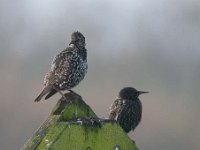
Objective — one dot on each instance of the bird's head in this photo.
(78, 39)
(130, 93)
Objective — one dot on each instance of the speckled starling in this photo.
(67, 69)
(127, 109)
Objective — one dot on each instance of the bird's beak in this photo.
(142, 92)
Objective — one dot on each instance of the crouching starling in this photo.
(127, 109)
(67, 69)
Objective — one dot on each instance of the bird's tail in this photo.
(44, 91)
(51, 93)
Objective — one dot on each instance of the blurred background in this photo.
(150, 45)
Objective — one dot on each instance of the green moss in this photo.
(79, 137)
(75, 111)
(34, 141)
(76, 108)
(59, 132)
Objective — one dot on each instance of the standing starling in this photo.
(67, 69)
(127, 109)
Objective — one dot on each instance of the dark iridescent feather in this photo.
(127, 109)
(130, 115)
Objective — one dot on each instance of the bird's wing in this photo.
(130, 115)
(55, 74)
(116, 108)
(59, 62)
(58, 59)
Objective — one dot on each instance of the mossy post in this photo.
(64, 130)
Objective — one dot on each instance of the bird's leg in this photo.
(62, 95)
(59, 91)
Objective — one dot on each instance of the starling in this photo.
(127, 109)
(67, 69)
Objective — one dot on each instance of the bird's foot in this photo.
(65, 99)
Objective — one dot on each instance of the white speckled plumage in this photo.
(68, 68)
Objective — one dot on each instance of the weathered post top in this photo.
(69, 127)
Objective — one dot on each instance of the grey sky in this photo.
(150, 45)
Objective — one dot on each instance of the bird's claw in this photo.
(64, 99)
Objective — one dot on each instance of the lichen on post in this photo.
(67, 129)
